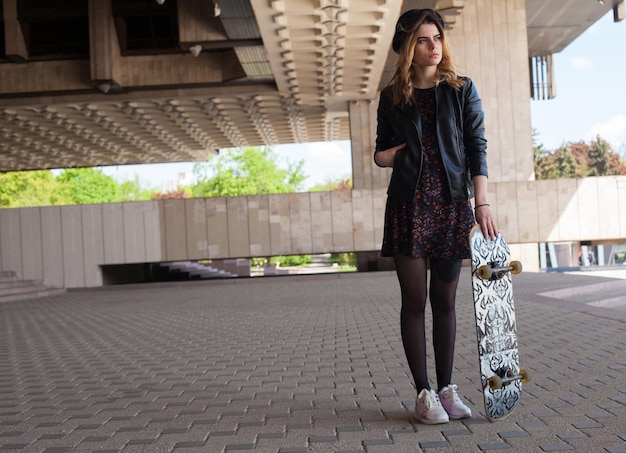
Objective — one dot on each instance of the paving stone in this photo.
(494, 446)
(557, 447)
(141, 441)
(271, 436)
(189, 445)
(374, 442)
(570, 436)
(439, 444)
(455, 432)
(588, 425)
(239, 447)
(166, 368)
(513, 434)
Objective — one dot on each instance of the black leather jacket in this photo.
(460, 135)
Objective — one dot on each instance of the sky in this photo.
(590, 91)
(590, 100)
(323, 161)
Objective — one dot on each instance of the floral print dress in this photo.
(430, 226)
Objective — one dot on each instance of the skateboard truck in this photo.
(497, 382)
(493, 271)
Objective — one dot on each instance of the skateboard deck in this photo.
(498, 354)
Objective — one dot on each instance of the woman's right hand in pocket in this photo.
(387, 157)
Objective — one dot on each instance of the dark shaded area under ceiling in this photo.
(60, 30)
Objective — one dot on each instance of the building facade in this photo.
(249, 73)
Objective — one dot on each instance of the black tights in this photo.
(444, 278)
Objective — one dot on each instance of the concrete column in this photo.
(197, 24)
(104, 48)
(15, 46)
(366, 174)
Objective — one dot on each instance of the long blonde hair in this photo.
(402, 81)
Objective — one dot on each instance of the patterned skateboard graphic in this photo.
(495, 325)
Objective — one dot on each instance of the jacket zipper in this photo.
(458, 149)
(419, 173)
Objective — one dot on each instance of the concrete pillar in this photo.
(104, 48)
(366, 174)
(15, 46)
(197, 24)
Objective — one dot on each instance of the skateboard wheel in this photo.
(525, 376)
(485, 272)
(495, 382)
(517, 267)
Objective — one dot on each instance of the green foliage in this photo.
(601, 162)
(258, 261)
(132, 190)
(343, 259)
(539, 151)
(30, 188)
(88, 185)
(247, 171)
(290, 260)
(578, 160)
(23, 189)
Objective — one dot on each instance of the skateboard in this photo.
(498, 355)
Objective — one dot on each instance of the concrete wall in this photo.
(489, 45)
(65, 246)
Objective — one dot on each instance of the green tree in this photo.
(567, 165)
(603, 160)
(343, 259)
(88, 185)
(290, 260)
(578, 160)
(132, 190)
(247, 171)
(22, 189)
(538, 149)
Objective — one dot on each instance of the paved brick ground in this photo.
(292, 364)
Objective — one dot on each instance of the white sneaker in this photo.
(428, 408)
(452, 404)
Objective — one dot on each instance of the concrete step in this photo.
(12, 289)
(29, 292)
(321, 260)
(197, 270)
(19, 285)
(7, 276)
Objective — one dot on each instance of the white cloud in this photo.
(613, 131)
(582, 63)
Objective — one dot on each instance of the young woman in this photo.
(431, 131)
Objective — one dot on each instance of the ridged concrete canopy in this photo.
(110, 82)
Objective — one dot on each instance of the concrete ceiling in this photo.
(119, 83)
(554, 24)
